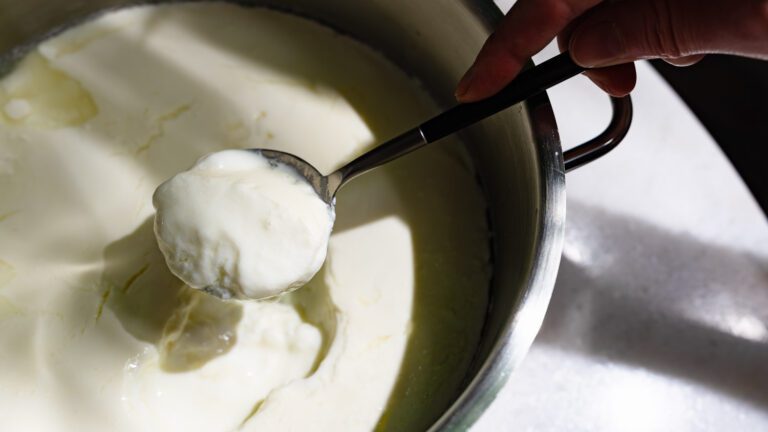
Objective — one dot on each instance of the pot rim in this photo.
(527, 315)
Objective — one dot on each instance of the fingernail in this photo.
(597, 45)
(464, 84)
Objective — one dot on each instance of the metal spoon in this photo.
(526, 85)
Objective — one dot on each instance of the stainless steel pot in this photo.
(516, 152)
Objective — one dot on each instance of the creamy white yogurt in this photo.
(240, 226)
(97, 334)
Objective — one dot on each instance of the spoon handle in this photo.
(528, 83)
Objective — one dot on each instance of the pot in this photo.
(517, 153)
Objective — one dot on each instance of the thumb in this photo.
(625, 31)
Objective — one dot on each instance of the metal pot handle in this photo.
(608, 140)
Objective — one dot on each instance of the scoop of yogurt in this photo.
(240, 226)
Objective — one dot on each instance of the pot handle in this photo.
(608, 140)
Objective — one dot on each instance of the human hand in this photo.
(610, 35)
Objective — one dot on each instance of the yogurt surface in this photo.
(97, 334)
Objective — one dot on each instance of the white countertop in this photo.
(659, 319)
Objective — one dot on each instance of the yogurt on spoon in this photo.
(237, 225)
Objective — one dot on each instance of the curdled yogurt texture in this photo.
(98, 335)
(239, 226)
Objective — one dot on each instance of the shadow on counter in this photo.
(632, 293)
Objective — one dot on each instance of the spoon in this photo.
(527, 84)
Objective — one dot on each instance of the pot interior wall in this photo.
(435, 41)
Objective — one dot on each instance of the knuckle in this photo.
(560, 11)
(665, 31)
(761, 7)
(752, 30)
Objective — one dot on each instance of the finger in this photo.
(528, 27)
(624, 31)
(618, 80)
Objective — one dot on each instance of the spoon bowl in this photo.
(325, 187)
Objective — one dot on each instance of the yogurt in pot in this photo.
(97, 333)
